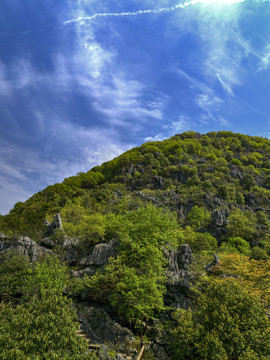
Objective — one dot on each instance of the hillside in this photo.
(133, 249)
(219, 172)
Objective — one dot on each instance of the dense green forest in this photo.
(166, 207)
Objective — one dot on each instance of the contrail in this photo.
(152, 11)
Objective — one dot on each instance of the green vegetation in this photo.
(43, 325)
(227, 323)
(209, 191)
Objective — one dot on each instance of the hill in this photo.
(220, 172)
(130, 245)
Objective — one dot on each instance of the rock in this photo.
(2, 236)
(24, 246)
(101, 253)
(159, 352)
(179, 262)
(158, 182)
(185, 257)
(56, 224)
(100, 328)
(103, 353)
(89, 271)
(47, 243)
(71, 247)
(216, 262)
(180, 278)
(235, 172)
(220, 217)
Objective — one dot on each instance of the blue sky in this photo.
(81, 81)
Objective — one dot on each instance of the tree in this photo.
(198, 217)
(15, 270)
(41, 329)
(242, 224)
(228, 323)
(45, 326)
(134, 281)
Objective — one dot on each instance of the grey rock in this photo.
(235, 172)
(179, 262)
(159, 352)
(185, 257)
(56, 224)
(70, 242)
(158, 182)
(71, 256)
(89, 271)
(101, 253)
(47, 242)
(180, 277)
(214, 263)
(100, 328)
(24, 246)
(220, 217)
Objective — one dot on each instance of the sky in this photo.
(82, 81)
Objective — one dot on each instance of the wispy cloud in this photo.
(265, 59)
(194, 82)
(23, 172)
(208, 104)
(182, 5)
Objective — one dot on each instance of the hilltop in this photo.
(220, 172)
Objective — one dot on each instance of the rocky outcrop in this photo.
(220, 217)
(100, 328)
(180, 277)
(51, 227)
(235, 172)
(24, 246)
(98, 258)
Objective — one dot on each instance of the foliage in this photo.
(15, 270)
(199, 241)
(251, 274)
(242, 224)
(227, 323)
(41, 329)
(235, 245)
(134, 281)
(198, 217)
(43, 325)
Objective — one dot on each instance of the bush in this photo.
(258, 253)
(227, 323)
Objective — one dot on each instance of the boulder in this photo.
(100, 328)
(101, 254)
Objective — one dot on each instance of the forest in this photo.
(131, 243)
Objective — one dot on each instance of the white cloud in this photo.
(225, 84)
(23, 172)
(157, 10)
(265, 59)
(157, 137)
(209, 104)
